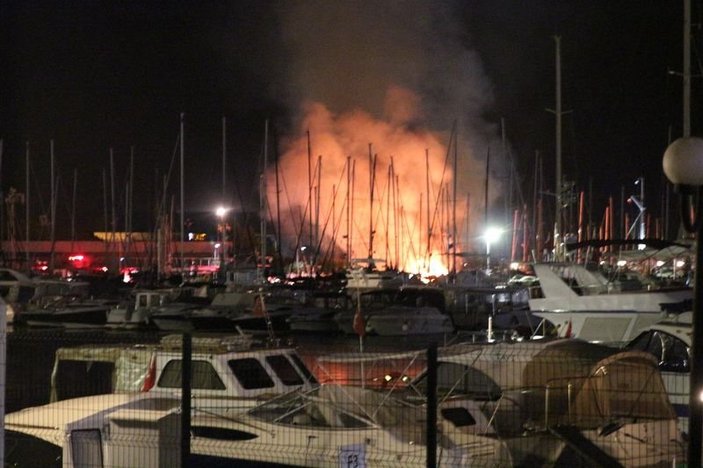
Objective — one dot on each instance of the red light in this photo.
(79, 261)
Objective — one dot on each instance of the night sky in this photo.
(96, 75)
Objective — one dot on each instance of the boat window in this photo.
(76, 378)
(250, 373)
(221, 433)
(460, 417)
(644, 343)
(86, 447)
(204, 376)
(351, 422)
(671, 353)
(303, 368)
(308, 415)
(143, 301)
(675, 357)
(284, 370)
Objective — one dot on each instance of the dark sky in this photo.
(99, 74)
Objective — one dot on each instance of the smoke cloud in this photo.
(390, 79)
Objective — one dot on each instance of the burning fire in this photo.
(356, 187)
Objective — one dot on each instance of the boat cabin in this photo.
(224, 368)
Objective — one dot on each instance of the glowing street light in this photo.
(491, 236)
(221, 211)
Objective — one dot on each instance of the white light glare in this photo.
(492, 234)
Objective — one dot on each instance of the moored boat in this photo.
(580, 303)
(560, 400)
(322, 427)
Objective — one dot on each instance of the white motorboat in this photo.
(398, 320)
(69, 312)
(361, 278)
(137, 311)
(16, 286)
(409, 310)
(325, 427)
(581, 303)
(608, 405)
(319, 312)
(16, 290)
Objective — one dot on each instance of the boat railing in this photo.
(241, 342)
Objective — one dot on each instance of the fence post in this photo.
(186, 358)
(432, 406)
(3, 376)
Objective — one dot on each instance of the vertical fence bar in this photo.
(3, 376)
(432, 406)
(186, 359)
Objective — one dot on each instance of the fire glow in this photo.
(360, 186)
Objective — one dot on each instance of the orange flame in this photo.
(328, 184)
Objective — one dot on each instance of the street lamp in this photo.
(683, 166)
(221, 211)
(491, 236)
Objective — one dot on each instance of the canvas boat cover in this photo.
(568, 381)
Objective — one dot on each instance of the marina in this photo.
(315, 234)
(489, 384)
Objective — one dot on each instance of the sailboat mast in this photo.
(485, 189)
(279, 252)
(388, 213)
(113, 218)
(372, 171)
(26, 203)
(130, 200)
(52, 206)
(224, 192)
(224, 158)
(349, 202)
(73, 207)
(310, 242)
(183, 221)
(429, 196)
(105, 238)
(454, 189)
(318, 242)
(558, 183)
(262, 200)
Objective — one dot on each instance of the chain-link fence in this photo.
(101, 399)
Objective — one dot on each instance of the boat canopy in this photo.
(562, 381)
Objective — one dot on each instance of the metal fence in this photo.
(125, 399)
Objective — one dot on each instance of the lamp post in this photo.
(221, 211)
(491, 236)
(683, 166)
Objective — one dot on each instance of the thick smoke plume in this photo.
(390, 79)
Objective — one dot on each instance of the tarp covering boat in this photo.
(568, 381)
